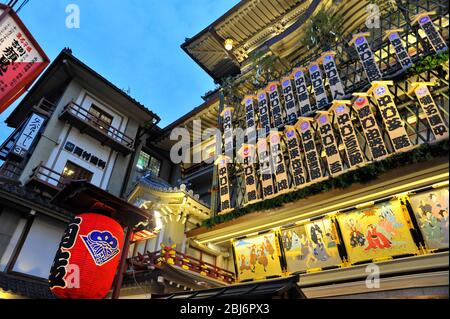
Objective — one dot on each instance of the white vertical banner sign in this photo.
(227, 118)
(263, 110)
(28, 134)
(250, 119)
(298, 170)
(325, 128)
(400, 51)
(393, 123)
(304, 103)
(429, 107)
(265, 169)
(372, 132)
(222, 163)
(290, 105)
(348, 134)
(247, 152)
(275, 104)
(331, 71)
(427, 25)
(312, 156)
(319, 88)
(278, 164)
(366, 56)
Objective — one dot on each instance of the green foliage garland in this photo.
(429, 63)
(362, 175)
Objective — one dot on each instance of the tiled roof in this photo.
(25, 287)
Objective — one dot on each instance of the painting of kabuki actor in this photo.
(258, 257)
(376, 232)
(311, 245)
(431, 211)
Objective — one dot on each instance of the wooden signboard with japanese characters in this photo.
(434, 37)
(227, 118)
(247, 153)
(28, 135)
(222, 163)
(301, 88)
(275, 105)
(298, 170)
(319, 88)
(393, 123)
(435, 120)
(21, 57)
(331, 71)
(372, 132)
(263, 110)
(400, 51)
(265, 169)
(325, 128)
(366, 56)
(278, 164)
(250, 119)
(290, 104)
(306, 132)
(344, 121)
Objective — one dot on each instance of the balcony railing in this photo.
(44, 178)
(175, 258)
(87, 122)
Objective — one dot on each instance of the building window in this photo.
(150, 163)
(73, 171)
(100, 119)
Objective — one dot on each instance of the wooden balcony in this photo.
(88, 123)
(174, 258)
(47, 180)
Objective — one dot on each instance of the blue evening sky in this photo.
(133, 43)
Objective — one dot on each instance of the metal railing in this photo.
(106, 128)
(10, 170)
(48, 177)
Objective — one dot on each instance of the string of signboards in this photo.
(265, 112)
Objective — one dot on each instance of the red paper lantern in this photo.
(86, 261)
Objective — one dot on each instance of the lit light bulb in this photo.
(229, 44)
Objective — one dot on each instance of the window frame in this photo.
(150, 158)
(65, 178)
(101, 113)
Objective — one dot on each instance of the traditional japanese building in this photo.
(342, 176)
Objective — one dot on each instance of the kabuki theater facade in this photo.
(328, 177)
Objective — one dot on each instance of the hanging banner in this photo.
(335, 166)
(33, 126)
(258, 257)
(429, 107)
(290, 105)
(366, 56)
(312, 245)
(298, 171)
(319, 88)
(400, 51)
(434, 37)
(392, 121)
(224, 185)
(227, 116)
(278, 164)
(250, 121)
(21, 57)
(306, 132)
(301, 88)
(275, 105)
(377, 232)
(265, 169)
(247, 152)
(331, 71)
(263, 109)
(344, 120)
(372, 132)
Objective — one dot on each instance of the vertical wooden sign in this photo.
(247, 152)
(222, 163)
(290, 105)
(227, 116)
(400, 51)
(250, 119)
(278, 164)
(265, 169)
(429, 107)
(331, 71)
(299, 174)
(372, 132)
(263, 109)
(319, 88)
(427, 25)
(393, 123)
(275, 104)
(366, 56)
(301, 88)
(348, 134)
(334, 162)
(306, 133)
